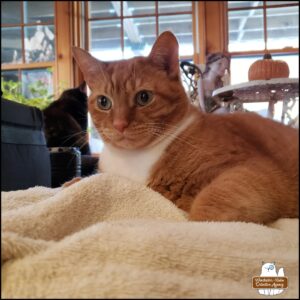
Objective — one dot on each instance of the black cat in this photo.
(65, 120)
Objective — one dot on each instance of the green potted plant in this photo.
(12, 91)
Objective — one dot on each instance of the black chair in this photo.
(25, 158)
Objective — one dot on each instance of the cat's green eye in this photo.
(143, 97)
(104, 103)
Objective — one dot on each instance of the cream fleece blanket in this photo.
(107, 237)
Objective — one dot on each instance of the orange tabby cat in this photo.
(235, 167)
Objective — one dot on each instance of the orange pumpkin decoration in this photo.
(267, 68)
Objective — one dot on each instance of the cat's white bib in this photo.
(137, 164)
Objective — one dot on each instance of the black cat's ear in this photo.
(82, 87)
(93, 69)
(164, 53)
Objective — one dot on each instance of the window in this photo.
(256, 27)
(28, 44)
(123, 29)
(263, 25)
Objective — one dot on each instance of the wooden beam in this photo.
(214, 26)
(244, 20)
(199, 34)
(79, 28)
(129, 27)
(33, 65)
(63, 30)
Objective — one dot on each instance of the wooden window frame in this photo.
(81, 35)
(62, 66)
(32, 65)
(264, 7)
(156, 14)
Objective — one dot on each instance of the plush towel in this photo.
(108, 237)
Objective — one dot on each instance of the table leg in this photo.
(287, 115)
(271, 109)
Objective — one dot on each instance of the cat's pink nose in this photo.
(120, 125)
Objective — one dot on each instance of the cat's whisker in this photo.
(83, 144)
(74, 135)
(77, 142)
(80, 147)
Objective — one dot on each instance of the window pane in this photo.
(174, 6)
(260, 108)
(181, 26)
(11, 46)
(132, 8)
(292, 61)
(105, 39)
(39, 43)
(10, 75)
(103, 9)
(10, 85)
(10, 12)
(139, 36)
(236, 4)
(35, 82)
(246, 30)
(282, 27)
(281, 2)
(38, 11)
(239, 67)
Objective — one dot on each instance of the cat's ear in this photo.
(91, 67)
(164, 53)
